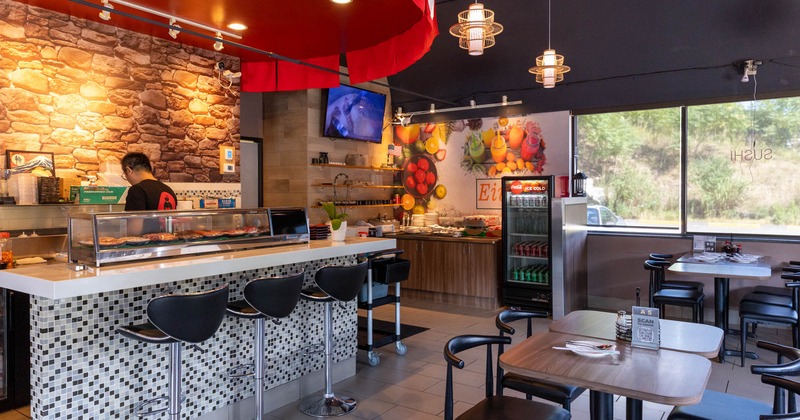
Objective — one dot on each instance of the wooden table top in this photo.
(662, 376)
(701, 339)
(687, 265)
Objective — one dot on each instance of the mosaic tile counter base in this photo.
(88, 371)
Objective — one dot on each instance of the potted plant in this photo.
(337, 222)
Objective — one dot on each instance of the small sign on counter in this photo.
(645, 327)
(97, 195)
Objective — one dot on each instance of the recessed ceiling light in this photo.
(342, 1)
(237, 26)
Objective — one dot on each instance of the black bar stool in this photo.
(677, 297)
(175, 319)
(342, 284)
(664, 260)
(266, 297)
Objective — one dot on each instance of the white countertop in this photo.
(57, 281)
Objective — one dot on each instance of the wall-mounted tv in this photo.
(354, 114)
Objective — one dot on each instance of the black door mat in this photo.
(384, 328)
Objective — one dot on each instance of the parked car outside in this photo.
(602, 216)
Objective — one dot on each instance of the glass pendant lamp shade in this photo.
(476, 29)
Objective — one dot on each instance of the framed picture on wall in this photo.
(30, 162)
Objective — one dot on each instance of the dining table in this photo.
(723, 270)
(688, 337)
(661, 376)
(700, 339)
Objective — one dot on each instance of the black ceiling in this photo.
(622, 54)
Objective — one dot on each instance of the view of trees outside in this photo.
(741, 163)
(632, 160)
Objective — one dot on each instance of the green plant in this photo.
(335, 218)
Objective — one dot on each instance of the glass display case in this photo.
(102, 238)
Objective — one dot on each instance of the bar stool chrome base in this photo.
(327, 406)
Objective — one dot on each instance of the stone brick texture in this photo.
(90, 92)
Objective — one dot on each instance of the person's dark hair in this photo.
(136, 160)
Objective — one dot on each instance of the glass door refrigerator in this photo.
(527, 239)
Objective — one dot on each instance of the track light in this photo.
(173, 32)
(405, 117)
(105, 14)
(218, 45)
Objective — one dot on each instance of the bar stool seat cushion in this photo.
(504, 407)
(771, 290)
(681, 284)
(677, 296)
(718, 405)
(767, 313)
(337, 283)
(550, 391)
(315, 294)
(241, 309)
(146, 333)
(768, 299)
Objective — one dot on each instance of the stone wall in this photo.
(90, 92)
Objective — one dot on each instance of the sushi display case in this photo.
(102, 238)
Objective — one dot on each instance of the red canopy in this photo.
(385, 56)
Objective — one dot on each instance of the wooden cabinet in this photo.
(451, 270)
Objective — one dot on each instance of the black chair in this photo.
(753, 313)
(674, 284)
(342, 284)
(493, 406)
(551, 391)
(266, 297)
(175, 319)
(717, 405)
(660, 298)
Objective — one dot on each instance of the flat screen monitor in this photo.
(354, 114)
(288, 221)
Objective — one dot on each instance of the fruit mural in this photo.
(504, 148)
(457, 152)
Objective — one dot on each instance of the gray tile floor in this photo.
(411, 387)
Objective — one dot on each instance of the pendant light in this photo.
(550, 67)
(476, 29)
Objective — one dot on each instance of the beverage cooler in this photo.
(527, 242)
(15, 389)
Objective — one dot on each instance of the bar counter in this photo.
(81, 368)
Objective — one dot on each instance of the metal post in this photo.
(175, 381)
(258, 373)
(328, 350)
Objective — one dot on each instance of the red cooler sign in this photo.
(527, 187)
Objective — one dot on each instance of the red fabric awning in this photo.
(384, 58)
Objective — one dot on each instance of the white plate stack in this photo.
(431, 219)
(418, 220)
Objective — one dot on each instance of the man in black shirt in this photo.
(146, 192)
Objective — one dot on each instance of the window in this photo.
(632, 160)
(741, 158)
(741, 163)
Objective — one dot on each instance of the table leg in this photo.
(720, 311)
(601, 405)
(633, 409)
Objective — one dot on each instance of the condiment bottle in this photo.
(6, 256)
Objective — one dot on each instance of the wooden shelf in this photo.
(359, 186)
(357, 167)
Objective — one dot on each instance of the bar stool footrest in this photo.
(241, 371)
(144, 409)
(327, 406)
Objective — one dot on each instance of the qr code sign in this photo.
(645, 334)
